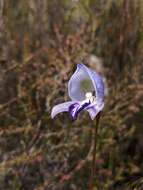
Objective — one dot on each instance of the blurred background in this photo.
(41, 41)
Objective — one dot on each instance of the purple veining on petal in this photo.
(78, 93)
(73, 110)
(76, 108)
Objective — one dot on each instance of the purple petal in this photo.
(98, 84)
(94, 110)
(84, 73)
(77, 107)
(73, 110)
(63, 107)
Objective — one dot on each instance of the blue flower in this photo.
(86, 90)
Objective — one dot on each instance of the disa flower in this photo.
(86, 90)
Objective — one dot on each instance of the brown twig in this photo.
(79, 166)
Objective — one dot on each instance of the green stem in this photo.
(91, 184)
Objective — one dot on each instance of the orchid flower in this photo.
(86, 90)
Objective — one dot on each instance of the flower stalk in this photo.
(93, 167)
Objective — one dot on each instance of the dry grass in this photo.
(41, 43)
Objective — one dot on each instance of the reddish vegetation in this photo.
(41, 43)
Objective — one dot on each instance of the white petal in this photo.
(78, 83)
(87, 79)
